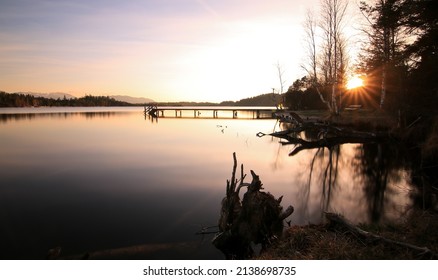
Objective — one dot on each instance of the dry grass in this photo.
(328, 242)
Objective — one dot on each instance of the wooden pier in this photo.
(209, 112)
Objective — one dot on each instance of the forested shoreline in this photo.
(28, 100)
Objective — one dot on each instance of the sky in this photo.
(166, 50)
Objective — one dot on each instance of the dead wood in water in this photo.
(326, 142)
(323, 134)
(257, 218)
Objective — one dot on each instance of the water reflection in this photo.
(4, 118)
(92, 181)
(368, 183)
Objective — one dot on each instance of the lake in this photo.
(99, 179)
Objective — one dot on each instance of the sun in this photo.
(354, 82)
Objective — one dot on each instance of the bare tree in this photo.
(327, 61)
(280, 73)
(310, 28)
(310, 39)
(333, 15)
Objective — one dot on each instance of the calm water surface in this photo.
(93, 179)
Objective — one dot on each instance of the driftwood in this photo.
(339, 220)
(325, 142)
(256, 219)
(325, 134)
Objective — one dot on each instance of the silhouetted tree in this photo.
(301, 95)
(386, 35)
(421, 21)
(294, 95)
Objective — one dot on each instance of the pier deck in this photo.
(210, 112)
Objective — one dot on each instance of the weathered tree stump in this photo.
(256, 219)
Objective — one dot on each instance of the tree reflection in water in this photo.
(376, 163)
(367, 182)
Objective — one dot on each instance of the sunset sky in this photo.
(167, 50)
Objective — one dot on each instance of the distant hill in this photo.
(267, 99)
(132, 100)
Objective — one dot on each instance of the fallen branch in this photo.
(339, 220)
(328, 142)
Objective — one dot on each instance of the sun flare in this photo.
(354, 82)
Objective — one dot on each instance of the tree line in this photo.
(398, 58)
(28, 100)
(267, 99)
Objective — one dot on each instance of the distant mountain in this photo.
(132, 100)
(53, 95)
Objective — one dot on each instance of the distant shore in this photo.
(35, 100)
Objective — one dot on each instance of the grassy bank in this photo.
(335, 242)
